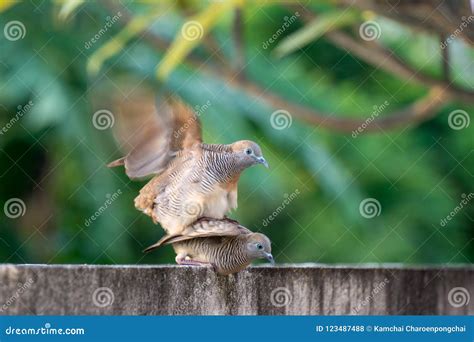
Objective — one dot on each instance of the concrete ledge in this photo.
(292, 289)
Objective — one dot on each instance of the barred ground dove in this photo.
(192, 179)
(223, 244)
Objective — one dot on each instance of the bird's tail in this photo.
(168, 239)
(163, 241)
(117, 162)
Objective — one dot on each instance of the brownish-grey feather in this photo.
(192, 179)
(203, 228)
(223, 244)
(152, 136)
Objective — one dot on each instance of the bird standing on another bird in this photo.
(224, 245)
(192, 179)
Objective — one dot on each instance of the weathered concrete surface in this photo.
(293, 289)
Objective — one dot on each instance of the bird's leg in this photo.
(195, 263)
(185, 260)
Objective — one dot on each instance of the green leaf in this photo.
(6, 4)
(117, 43)
(191, 34)
(67, 8)
(315, 29)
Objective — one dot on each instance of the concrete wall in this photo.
(292, 289)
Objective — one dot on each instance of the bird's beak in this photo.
(269, 257)
(262, 160)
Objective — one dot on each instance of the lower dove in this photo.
(224, 245)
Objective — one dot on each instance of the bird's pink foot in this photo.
(186, 261)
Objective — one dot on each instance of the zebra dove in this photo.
(192, 179)
(224, 245)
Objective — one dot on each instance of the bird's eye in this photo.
(259, 246)
(248, 151)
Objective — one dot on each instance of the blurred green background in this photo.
(53, 158)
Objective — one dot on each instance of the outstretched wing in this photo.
(152, 135)
(203, 228)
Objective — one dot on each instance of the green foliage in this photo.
(315, 29)
(53, 158)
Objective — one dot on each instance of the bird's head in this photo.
(248, 153)
(259, 247)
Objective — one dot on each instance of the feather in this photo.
(191, 179)
(153, 137)
(203, 228)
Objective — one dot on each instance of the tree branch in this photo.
(422, 109)
(237, 33)
(433, 16)
(386, 60)
(445, 58)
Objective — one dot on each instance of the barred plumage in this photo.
(223, 244)
(196, 180)
(192, 179)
